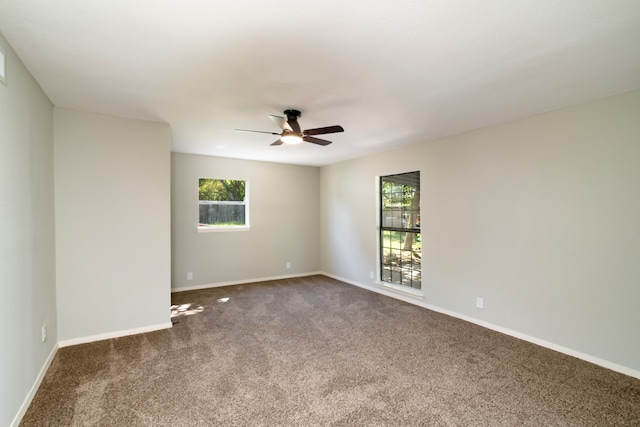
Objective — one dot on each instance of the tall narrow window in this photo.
(400, 244)
(222, 204)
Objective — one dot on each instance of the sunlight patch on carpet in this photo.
(186, 309)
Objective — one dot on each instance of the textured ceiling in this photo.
(391, 73)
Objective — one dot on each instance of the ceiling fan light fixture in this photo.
(291, 139)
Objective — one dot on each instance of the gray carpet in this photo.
(315, 351)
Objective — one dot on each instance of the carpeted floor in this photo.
(315, 351)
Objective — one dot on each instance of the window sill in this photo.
(223, 229)
(404, 290)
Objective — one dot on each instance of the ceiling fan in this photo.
(291, 133)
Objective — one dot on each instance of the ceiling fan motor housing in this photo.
(292, 120)
(292, 114)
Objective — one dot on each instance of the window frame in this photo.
(226, 228)
(405, 289)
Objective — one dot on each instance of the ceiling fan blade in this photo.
(294, 126)
(316, 140)
(277, 142)
(280, 122)
(321, 131)
(257, 131)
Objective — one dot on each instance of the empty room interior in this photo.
(251, 194)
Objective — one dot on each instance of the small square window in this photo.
(223, 204)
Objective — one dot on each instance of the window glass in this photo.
(222, 203)
(400, 240)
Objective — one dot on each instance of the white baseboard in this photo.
(241, 282)
(34, 387)
(543, 343)
(117, 334)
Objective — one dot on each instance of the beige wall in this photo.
(112, 183)
(284, 216)
(27, 262)
(538, 216)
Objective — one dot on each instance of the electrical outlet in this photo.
(288, 265)
(371, 274)
(44, 332)
(479, 303)
(189, 276)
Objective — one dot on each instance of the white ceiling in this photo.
(391, 73)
